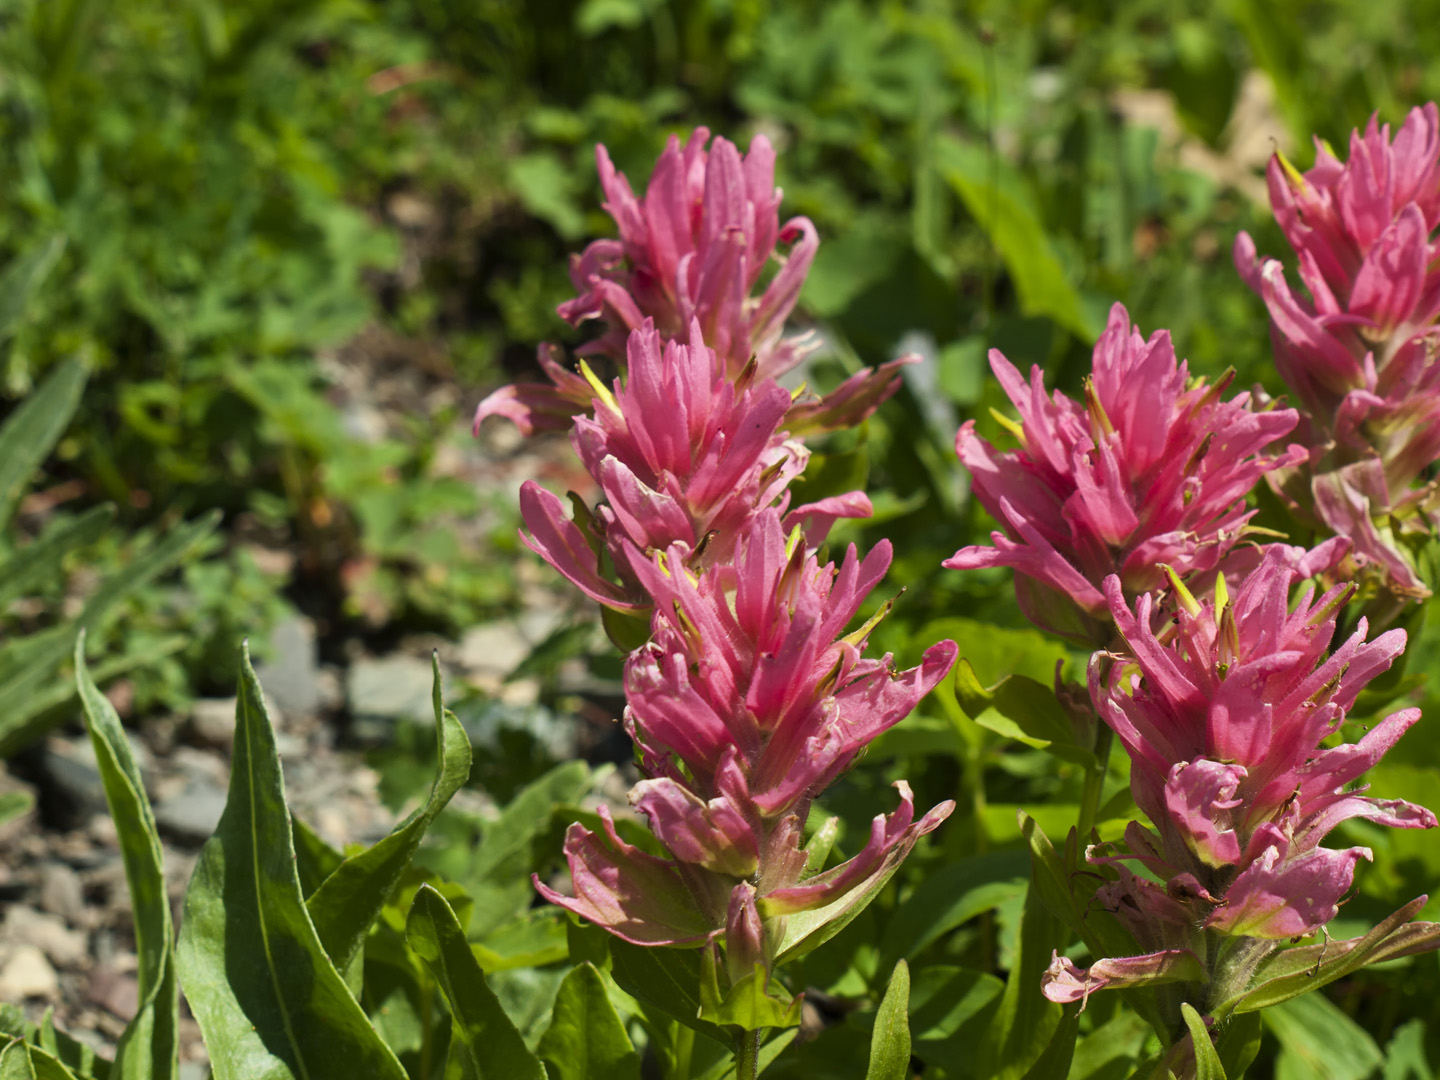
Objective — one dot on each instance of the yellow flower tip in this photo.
(1009, 425)
(1186, 597)
(601, 390)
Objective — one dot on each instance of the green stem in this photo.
(747, 1056)
(1095, 782)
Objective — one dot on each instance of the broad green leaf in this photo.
(348, 901)
(1023, 709)
(269, 1002)
(890, 1042)
(1207, 1061)
(1319, 1042)
(1024, 1021)
(15, 1061)
(33, 429)
(315, 860)
(1238, 1042)
(497, 1051)
(150, 1046)
(1017, 233)
(949, 897)
(753, 1003)
(21, 280)
(586, 1040)
(1054, 1063)
(1405, 1054)
(667, 980)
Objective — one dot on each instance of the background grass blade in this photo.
(349, 901)
(496, 1049)
(269, 1002)
(150, 1047)
(33, 430)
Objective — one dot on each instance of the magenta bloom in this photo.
(683, 456)
(694, 250)
(745, 705)
(1358, 352)
(1148, 470)
(1225, 722)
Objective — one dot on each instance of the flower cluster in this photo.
(683, 455)
(744, 705)
(1360, 352)
(693, 252)
(1151, 468)
(1225, 722)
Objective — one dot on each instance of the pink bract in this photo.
(1149, 469)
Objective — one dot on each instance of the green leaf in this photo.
(1207, 1061)
(22, 278)
(1023, 709)
(890, 1042)
(725, 1070)
(586, 1040)
(268, 1000)
(1054, 1063)
(39, 563)
(1405, 1054)
(667, 980)
(993, 200)
(349, 901)
(27, 665)
(753, 1003)
(15, 1061)
(315, 860)
(34, 428)
(1238, 1042)
(497, 1052)
(949, 897)
(1024, 1021)
(150, 1047)
(1319, 1042)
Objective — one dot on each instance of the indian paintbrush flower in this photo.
(683, 455)
(1225, 716)
(747, 702)
(1360, 352)
(695, 250)
(1151, 467)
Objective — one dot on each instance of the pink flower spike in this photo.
(560, 542)
(1063, 982)
(631, 894)
(1144, 472)
(1277, 897)
(891, 839)
(714, 835)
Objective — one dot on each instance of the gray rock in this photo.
(194, 1070)
(493, 648)
(61, 945)
(27, 974)
(212, 721)
(61, 892)
(390, 688)
(291, 677)
(193, 815)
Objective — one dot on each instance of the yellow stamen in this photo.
(1187, 599)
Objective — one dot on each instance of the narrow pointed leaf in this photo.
(497, 1052)
(1054, 1063)
(21, 280)
(586, 1040)
(150, 1046)
(890, 1042)
(349, 900)
(33, 429)
(1207, 1061)
(269, 1002)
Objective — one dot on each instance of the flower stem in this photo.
(747, 1056)
(1095, 782)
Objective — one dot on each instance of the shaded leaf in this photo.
(1319, 1042)
(349, 900)
(586, 1040)
(268, 1000)
(497, 1052)
(667, 980)
(1207, 1061)
(890, 1042)
(150, 1047)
